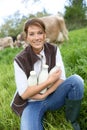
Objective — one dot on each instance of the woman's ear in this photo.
(45, 35)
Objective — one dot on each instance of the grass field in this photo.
(74, 54)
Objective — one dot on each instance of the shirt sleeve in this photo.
(60, 61)
(20, 79)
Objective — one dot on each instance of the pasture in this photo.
(74, 54)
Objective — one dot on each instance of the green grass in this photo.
(74, 54)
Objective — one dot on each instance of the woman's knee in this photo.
(78, 80)
(78, 85)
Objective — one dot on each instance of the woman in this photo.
(68, 91)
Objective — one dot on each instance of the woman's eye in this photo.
(31, 34)
(40, 32)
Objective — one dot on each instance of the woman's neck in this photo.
(37, 51)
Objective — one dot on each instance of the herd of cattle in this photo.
(56, 31)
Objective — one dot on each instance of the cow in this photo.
(56, 30)
(21, 40)
(6, 42)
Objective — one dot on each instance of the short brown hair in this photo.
(34, 21)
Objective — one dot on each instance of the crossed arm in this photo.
(34, 91)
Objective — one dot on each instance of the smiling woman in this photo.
(63, 91)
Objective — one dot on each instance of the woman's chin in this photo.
(37, 49)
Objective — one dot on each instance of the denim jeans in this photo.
(32, 116)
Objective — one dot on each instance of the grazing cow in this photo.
(6, 42)
(21, 40)
(56, 30)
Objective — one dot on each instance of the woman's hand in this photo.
(39, 96)
(54, 76)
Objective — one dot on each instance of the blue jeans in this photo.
(32, 116)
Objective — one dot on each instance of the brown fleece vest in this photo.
(26, 60)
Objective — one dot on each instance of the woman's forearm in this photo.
(54, 87)
(49, 91)
(33, 90)
(37, 97)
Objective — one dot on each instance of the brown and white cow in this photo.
(21, 40)
(6, 42)
(56, 30)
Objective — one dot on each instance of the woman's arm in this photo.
(60, 61)
(49, 91)
(53, 87)
(33, 90)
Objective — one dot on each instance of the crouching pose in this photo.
(28, 102)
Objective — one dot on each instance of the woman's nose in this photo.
(36, 36)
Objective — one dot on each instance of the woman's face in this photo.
(36, 38)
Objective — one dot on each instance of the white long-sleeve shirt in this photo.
(21, 78)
